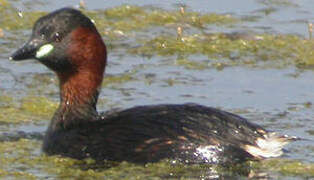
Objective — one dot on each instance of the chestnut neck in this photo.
(80, 85)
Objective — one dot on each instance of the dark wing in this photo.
(170, 130)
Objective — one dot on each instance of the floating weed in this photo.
(118, 22)
(267, 11)
(27, 110)
(153, 16)
(4, 3)
(282, 3)
(126, 170)
(171, 82)
(5, 100)
(125, 11)
(15, 158)
(214, 19)
(22, 159)
(194, 19)
(304, 52)
(117, 79)
(38, 105)
(1, 33)
(11, 19)
(22, 147)
(249, 50)
(17, 175)
(129, 18)
(191, 64)
(286, 167)
(168, 46)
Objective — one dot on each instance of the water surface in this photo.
(275, 94)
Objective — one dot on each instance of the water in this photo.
(278, 98)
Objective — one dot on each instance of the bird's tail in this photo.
(270, 146)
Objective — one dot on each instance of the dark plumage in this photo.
(67, 42)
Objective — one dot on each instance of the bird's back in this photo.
(188, 132)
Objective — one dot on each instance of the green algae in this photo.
(38, 105)
(22, 159)
(124, 11)
(17, 175)
(5, 100)
(4, 3)
(277, 3)
(16, 158)
(267, 11)
(286, 167)
(24, 164)
(188, 64)
(12, 19)
(127, 18)
(27, 110)
(287, 49)
(118, 21)
(117, 79)
(147, 16)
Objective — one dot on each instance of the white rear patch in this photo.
(44, 50)
(270, 146)
(209, 153)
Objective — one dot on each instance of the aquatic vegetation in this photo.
(38, 105)
(279, 3)
(4, 3)
(286, 167)
(191, 64)
(124, 11)
(22, 159)
(251, 49)
(28, 110)
(11, 157)
(126, 18)
(119, 20)
(156, 35)
(1, 33)
(223, 48)
(117, 79)
(12, 19)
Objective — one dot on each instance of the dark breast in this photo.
(151, 133)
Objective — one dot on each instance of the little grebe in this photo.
(67, 42)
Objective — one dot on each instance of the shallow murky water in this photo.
(277, 94)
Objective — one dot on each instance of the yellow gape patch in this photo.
(44, 50)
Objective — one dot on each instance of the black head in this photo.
(51, 37)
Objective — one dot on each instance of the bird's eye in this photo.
(57, 37)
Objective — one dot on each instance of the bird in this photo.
(68, 43)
